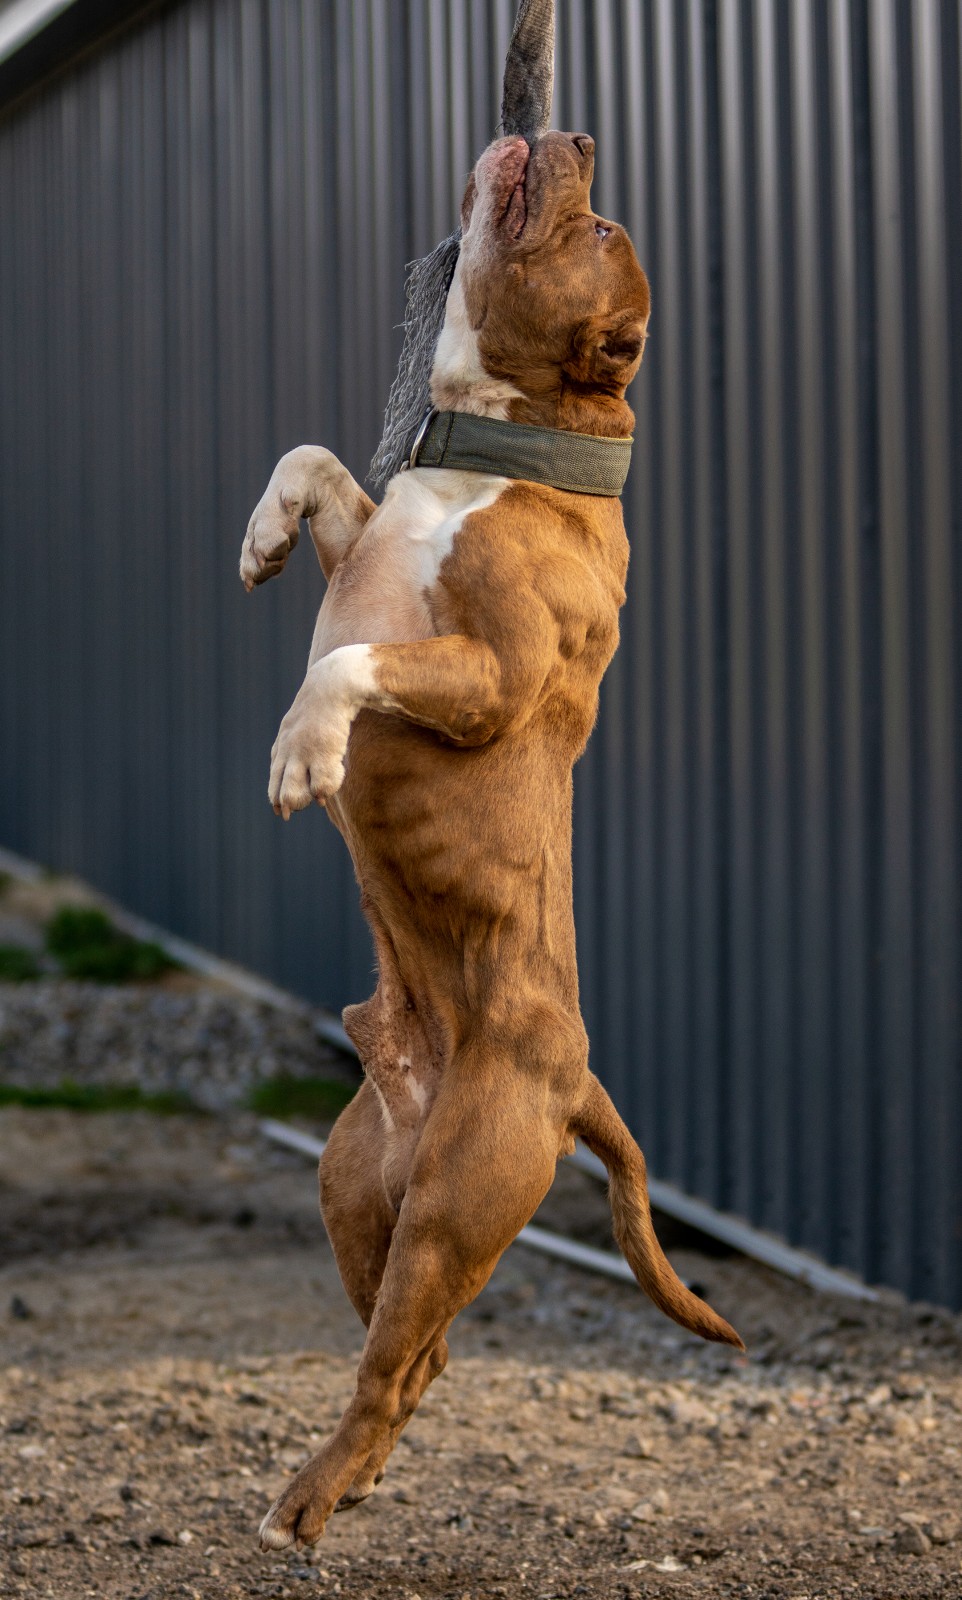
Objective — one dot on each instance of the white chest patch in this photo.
(380, 593)
(425, 508)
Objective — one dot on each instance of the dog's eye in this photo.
(601, 230)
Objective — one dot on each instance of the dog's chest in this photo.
(381, 593)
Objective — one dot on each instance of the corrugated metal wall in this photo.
(202, 232)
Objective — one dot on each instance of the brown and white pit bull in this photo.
(453, 682)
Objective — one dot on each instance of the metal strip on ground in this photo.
(741, 1236)
(24, 20)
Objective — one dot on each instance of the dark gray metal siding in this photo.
(202, 232)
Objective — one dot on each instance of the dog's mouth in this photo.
(503, 172)
(522, 185)
(516, 210)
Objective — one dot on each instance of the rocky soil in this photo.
(163, 1038)
(174, 1341)
(179, 1035)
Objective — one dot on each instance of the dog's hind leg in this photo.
(357, 1214)
(484, 1163)
(360, 1221)
(422, 1374)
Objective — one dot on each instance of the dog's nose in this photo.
(583, 143)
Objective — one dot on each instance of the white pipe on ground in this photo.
(20, 20)
(740, 1235)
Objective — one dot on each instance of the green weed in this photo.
(93, 1097)
(17, 964)
(87, 945)
(319, 1098)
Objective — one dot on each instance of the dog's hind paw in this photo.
(295, 1518)
(272, 1537)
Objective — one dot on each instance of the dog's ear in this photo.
(606, 351)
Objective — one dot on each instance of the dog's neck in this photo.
(548, 399)
(575, 410)
(459, 379)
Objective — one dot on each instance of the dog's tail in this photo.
(599, 1125)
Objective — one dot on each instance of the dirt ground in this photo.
(175, 1341)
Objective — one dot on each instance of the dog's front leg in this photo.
(308, 482)
(469, 690)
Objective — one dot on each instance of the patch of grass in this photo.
(17, 964)
(94, 1097)
(322, 1098)
(87, 945)
(6, 879)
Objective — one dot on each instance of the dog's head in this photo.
(547, 315)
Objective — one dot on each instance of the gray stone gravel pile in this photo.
(211, 1046)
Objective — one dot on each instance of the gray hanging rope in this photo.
(529, 71)
(525, 110)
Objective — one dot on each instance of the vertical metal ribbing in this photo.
(30, 160)
(435, 113)
(418, 149)
(20, 442)
(10, 414)
(71, 158)
(896, 1107)
(637, 1074)
(935, 1152)
(818, 291)
(108, 381)
(364, 237)
(385, 187)
(672, 632)
(774, 1092)
(605, 812)
(812, 602)
(846, 530)
(458, 109)
(741, 424)
(608, 763)
(295, 161)
(951, 1083)
(605, 805)
(143, 442)
(198, 395)
(700, 1130)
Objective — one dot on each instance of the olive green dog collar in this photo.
(581, 463)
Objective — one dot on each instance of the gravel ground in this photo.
(175, 1342)
(168, 1037)
(181, 1034)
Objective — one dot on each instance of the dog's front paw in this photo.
(272, 534)
(307, 761)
